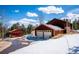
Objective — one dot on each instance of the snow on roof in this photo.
(53, 27)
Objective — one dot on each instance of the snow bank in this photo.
(77, 30)
(51, 46)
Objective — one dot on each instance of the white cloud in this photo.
(73, 13)
(24, 21)
(71, 16)
(30, 14)
(51, 9)
(16, 11)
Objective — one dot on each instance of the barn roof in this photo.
(53, 27)
(15, 30)
(53, 20)
(60, 23)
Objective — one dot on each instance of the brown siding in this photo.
(57, 32)
(52, 32)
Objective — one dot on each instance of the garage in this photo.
(47, 30)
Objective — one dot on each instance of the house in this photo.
(52, 28)
(15, 33)
(63, 24)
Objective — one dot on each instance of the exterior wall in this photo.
(58, 32)
(33, 32)
(16, 33)
(53, 32)
(68, 29)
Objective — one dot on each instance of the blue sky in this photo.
(30, 13)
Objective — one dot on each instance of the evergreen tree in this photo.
(75, 25)
(15, 26)
(23, 28)
(29, 28)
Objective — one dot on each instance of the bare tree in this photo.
(40, 19)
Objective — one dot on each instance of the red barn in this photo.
(16, 33)
(52, 28)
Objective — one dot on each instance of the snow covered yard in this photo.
(51, 46)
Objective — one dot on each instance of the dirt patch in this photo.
(4, 45)
(15, 44)
(58, 36)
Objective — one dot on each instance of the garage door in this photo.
(47, 34)
(39, 33)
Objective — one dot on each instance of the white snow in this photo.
(76, 30)
(51, 46)
(53, 27)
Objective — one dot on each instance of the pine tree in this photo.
(15, 26)
(29, 28)
(75, 25)
(23, 28)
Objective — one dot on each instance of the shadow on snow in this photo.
(74, 50)
(36, 38)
